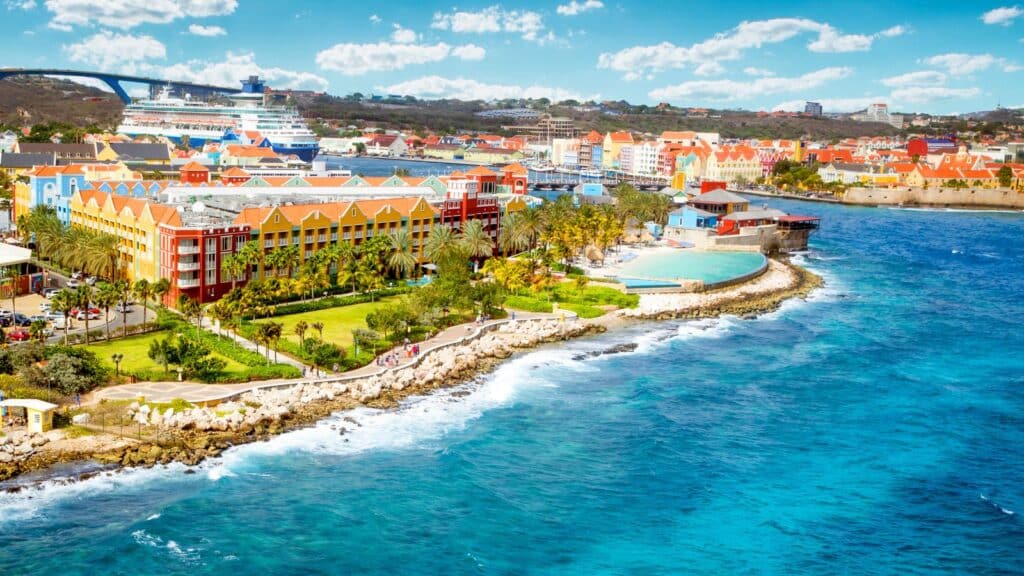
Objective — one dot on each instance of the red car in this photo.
(19, 335)
(93, 313)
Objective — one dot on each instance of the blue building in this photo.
(54, 186)
(690, 217)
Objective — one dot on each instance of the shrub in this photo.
(335, 301)
(583, 310)
(528, 304)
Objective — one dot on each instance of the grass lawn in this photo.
(587, 303)
(136, 355)
(338, 322)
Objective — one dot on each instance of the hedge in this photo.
(336, 301)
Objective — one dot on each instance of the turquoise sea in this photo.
(877, 428)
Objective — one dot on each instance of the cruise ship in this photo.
(185, 120)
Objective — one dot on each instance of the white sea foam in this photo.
(173, 549)
(152, 517)
(35, 500)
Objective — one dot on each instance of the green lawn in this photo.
(338, 322)
(136, 355)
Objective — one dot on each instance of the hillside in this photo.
(27, 100)
(454, 115)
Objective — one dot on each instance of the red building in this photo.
(234, 176)
(195, 173)
(486, 179)
(464, 203)
(191, 258)
(516, 177)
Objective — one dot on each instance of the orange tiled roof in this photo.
(194, 167)
(622, 137)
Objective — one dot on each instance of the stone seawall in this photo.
(968, 198)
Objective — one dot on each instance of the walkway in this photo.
(199, 393)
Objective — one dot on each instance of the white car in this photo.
(91, 280)
(50, 292)
(55, 317)
(83, 315)
(76, 275)
(44, 306)
(123, 308)
(72, 284)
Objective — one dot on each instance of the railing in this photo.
(188, 249)
(188, 282)
(188, 266)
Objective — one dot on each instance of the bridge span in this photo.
(115, 80)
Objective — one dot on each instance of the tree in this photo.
(401, 259)
(9, 276)
(107, 295)
(38, 330)
(442, 240)
(319, 327)
(83, 300)
(143, 290)
(511, 236)
(234, 265)
(476, 242)
(160, 289)
(63, 302)
(1005, 176)
(300, 330)
(161, 352)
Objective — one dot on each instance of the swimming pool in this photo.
(709, 267)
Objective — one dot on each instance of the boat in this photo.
(184, 121)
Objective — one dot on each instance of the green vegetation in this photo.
(49, 372)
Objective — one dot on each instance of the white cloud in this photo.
(727, 90)
(469, 52)
(640, 61)
(751, 71)
(573, 8)
(208, 31)
(232, 68)
(922, 78)
(356, 59)
(434, 87)
(893, 32)
(840, 105)
(125, 14)
(1003, 16)
(375, 18)
(116, 52)
(528, 24)
(958, 64)
(20, 4)
(403, 35)
(830, 40)
(926, 94)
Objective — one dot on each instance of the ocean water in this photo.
(877, 428)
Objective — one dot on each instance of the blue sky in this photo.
(933, 56)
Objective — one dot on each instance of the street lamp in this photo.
(117, 363)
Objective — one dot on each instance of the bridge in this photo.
(115, 80)
(563, 181)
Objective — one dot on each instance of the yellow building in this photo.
(492, 155)
(313, 227)
(613, 143)
(134, 221)
(38, 414)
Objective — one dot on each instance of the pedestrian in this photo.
(335, 367)
(513, 315)
(303, 371)
(78, 398)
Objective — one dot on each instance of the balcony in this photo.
(188, 266)
(188, 249)
(188, 283)
(282, 241)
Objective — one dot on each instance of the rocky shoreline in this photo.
(190, 436)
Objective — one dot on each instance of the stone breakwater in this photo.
(20, 445)
(765, 293)
(194, 434)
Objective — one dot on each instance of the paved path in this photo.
(210, 325)
(198, 393)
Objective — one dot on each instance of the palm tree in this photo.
(160, 289)
(251, 255)
(319, 327)
(401, 259)
(476, 241)
(64, 302)
(9, 274)
(83, 300)
(143, 290)
(531, 225)
(107, 295)
(511, 237)
(300, 330)
(272, 333)
(104, 255)
(441, 240)
(38, 330)
(234, 265)
(124, 295)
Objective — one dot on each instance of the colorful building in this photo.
(192, 258)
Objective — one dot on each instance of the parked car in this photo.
(76, 275)
(44, 306)
(49, 292)
(73, 283)
(123, 308)
(19, 335)
(91, 314)
(39, 318)
(91, 280)
(22, 320)
(55, 317)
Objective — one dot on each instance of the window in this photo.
(211, 275)
(211, 244)
(225, 244)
